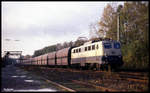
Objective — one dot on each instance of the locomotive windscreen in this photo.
(117, 45)
(107, 45)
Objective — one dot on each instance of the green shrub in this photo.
(135, 55)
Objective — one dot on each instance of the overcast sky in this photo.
(29, 26)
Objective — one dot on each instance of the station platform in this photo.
(14, 79)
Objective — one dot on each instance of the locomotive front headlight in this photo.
(105, 54)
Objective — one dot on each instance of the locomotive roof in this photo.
(93, 42)
(90, 42)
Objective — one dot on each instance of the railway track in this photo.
(101, 88)
(79, 86)
(130, 76)
(73, 86)
(59, 85)
(134, 78)
(87, 80)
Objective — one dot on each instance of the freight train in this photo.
(91, 54)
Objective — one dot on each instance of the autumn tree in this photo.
(134, 27)
(52, 48)
(94, 33)
(108, 22)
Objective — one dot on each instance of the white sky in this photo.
(29, 26)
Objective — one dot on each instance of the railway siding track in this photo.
(79, 80)
(67, 86)
(138, 80)
(59, 85)
(136, 77)
(130, 76)
(104, 89)
(78, 87)
(72, 86)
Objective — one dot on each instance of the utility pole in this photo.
(118, 21)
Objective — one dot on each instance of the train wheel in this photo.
(109, 68)
(105, 68)
(97, 66)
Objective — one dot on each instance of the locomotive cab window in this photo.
(107, 45)
(117, 45)
(74, 51)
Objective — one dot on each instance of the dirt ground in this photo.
(14, 79)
